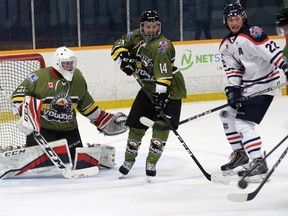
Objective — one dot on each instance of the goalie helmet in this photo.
(234, 9)
(150, 17)
(64, 61)
(282, 22)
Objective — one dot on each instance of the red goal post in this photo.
(13, 70)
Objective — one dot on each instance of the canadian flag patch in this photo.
(50, 85)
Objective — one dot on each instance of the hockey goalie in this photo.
(47, 101)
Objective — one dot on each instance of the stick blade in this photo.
(236, 197)
(80, 173)
(146, 121)
(220, 180)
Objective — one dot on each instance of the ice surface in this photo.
(179, 189)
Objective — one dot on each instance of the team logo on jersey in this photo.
(255, 31)
(163, 47)
(32, 77)
(60, 109)
(144, 67)
(129, 34)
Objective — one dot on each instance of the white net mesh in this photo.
(13, 70)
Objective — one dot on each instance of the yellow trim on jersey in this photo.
(19, 99)
(165, 82)
(118, 51)
(90, 109)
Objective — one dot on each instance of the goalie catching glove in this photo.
(111, 124)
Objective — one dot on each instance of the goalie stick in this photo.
(236, 197)
(67, 173)
(150, 123)
(215, 179)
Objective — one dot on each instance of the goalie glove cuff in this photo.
(103, 119)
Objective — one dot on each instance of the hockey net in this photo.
(13, 70)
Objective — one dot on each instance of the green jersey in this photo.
(155, 62)
(285, 52)
(60, 98)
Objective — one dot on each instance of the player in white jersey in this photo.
(252, 62)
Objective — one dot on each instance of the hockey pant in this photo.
(239, 125)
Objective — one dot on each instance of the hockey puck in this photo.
(242, 184)
(224, 114)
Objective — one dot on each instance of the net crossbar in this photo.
(13, 70)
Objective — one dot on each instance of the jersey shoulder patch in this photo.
(255, 34)
(32, 77)
(163, 47)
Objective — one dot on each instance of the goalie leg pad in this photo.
(86, 157)
(31, 159)
(107, 154)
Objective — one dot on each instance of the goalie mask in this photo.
(282, 22)
(64, 61)
(150, 25)
(234, 9)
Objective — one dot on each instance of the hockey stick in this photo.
(67, 173)
(150, 123)
(263, 159)
(236, 197)
(214, 179)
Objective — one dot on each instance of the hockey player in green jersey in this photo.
(58, 91)
(149, 54)
(282, 27)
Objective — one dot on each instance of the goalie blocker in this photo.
(32, 160)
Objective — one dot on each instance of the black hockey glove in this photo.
(160, 100)
(233, 93)
(127, 63)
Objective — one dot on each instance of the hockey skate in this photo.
(258, 173)
(150, 171)
(237, 158)
(125, 168)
